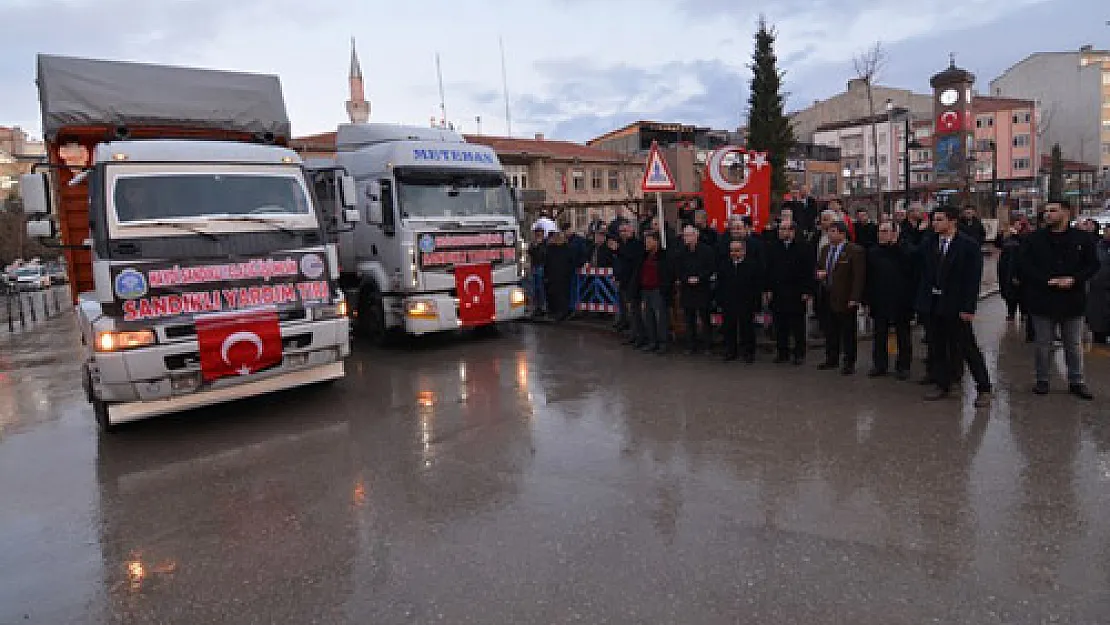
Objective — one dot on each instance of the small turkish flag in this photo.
(238, 343)
(474, 285)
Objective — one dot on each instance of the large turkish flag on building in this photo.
(474, 285)
(238, 343)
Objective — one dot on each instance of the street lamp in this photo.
(910, 143)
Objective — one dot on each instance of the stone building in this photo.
(1072, 90)
(853, 104)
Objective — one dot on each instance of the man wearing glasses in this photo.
(1057, 261)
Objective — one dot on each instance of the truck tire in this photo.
(371, 317)
(100, 410)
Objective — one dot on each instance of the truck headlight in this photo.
(517, 298)
(130, 339)
(331, 311)
(421, 309)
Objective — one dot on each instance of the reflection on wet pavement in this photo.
(551, 476)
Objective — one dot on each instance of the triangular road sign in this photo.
(657, 176)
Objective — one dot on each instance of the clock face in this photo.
(948, 97)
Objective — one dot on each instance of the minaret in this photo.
(358, 109)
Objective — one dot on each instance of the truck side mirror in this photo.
(374, 208)
(348, 193)
(515, 195)
(41, 229)
(34, 189)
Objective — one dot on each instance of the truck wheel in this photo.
(100, 410)
(371, 318)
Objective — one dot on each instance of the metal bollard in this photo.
(22, 321)
(11, 317)
(31, 305)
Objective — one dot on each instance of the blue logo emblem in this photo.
(427, 243)
(312, 266)
(130, 284)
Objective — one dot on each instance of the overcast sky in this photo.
(576, 68)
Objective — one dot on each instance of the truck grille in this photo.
(187, 330)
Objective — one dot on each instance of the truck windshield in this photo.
(452, 194)
(161, 196)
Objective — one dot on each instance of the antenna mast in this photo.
(442, 102)
(505, 87)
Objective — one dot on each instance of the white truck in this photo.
(437, 245)
(198, 265)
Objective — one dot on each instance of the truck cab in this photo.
(437, 220)
(199, 267)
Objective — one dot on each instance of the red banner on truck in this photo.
(156, 290)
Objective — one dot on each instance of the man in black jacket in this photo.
(791, 271)
(972, 226)
(1056, 264)
(694, 266)
(947, 296)
(739, 289)
(626, 271)
(889, 295)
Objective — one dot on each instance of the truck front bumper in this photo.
(446, 307)
(166, 377)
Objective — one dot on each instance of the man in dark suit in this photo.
(790, 288)
(739, 287)
(842, 269)
(947, 295)
(890, 292)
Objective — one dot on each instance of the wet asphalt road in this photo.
(551, 476)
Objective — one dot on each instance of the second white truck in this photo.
(436, 246)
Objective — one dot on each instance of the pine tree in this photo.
(1056, 176)
(768, 128)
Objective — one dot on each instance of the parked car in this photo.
(31, 278)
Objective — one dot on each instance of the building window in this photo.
(579, 178)
(1106, 123)
(561, 180)
(1106, 78)
(1021, 163)
(1021, 141)
(882, 159)
(986, 121)
(597, 182)
(1021, 117)
(1106, 149)
(614, 180)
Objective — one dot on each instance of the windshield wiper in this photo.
(254, 220)
(169, 224)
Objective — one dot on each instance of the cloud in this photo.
(576, 68)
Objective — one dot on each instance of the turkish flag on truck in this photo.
(238, 343)
(474, 285)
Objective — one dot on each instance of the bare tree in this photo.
(869, 65)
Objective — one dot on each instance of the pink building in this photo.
(1005, 131)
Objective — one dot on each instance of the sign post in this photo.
(658, 178)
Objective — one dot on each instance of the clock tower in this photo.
(952, 119)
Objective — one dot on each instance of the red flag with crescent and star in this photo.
(737, 182)
(238, 343)
(474, 285)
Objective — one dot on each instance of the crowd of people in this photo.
(912, 268)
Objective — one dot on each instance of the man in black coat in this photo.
(559, 268)
(947, 296)
(972, 226)
(626, 270)
(694, 266)
(739, 229)
(889, 295)
(1056, 264)
(791, 268)
(739, 289)
(867, 232)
